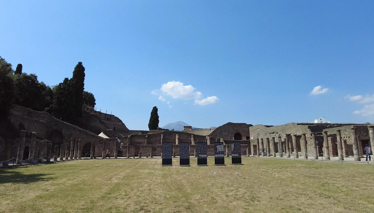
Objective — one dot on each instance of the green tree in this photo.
(29, 93)
(89, 99)
(18, 69)
(61, 106)
(6, 87)
(77, 88)
(154, 119)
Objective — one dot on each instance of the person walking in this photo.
(367, 151)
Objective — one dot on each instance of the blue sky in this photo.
(203, 62)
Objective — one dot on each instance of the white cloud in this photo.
(368, 110)
(361, 99)
(177, 90)
(161, 98)
(318, 90)
(207, 101)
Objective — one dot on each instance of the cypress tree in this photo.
(18, 69)
(154, 119)
(77, 88)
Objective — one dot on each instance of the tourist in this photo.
(367, 151)
(107, 153)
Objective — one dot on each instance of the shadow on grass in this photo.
(9, 176)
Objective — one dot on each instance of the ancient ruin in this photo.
(36, 137)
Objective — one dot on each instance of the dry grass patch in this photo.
(143, 185)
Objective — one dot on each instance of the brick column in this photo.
(340, 145)
(287, 146)
(91, 150)
(62, 151)
(371, 135)
(115, 149)
(314, 145)
(280, 148)
(71, 148)
(55, 153)
(21, 146)
(79, 150)
(66, 150)
(273, 147)
(32, 148)
(305, 147)
(49, 151)
(354, 142)
(326, 151)
(103, 150)
(294, 138)
(76, 141)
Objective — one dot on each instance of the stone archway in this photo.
(238, 136)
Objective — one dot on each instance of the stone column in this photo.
(177, 139)
(305, 147)
(273, 147)
(258, 147)
(66, 150)
(62, 151)
(49, 151)
(32, 148)
(227, 151)
(294, 138)
(267, 147)
(91, 150)
(371, 135)
(340, 145)
(192, 140)
(55, 153)
(262, 147)
(37, 151)
(314, 145)
(79, 154)
(354, 142)
(115, 149)
(326, 151)
(128, 145)
(248, 151)
(21, 146)
(280, 147)
(103, 150)
(287, 146)
(76, 149)
(71, 148)
(207, 138)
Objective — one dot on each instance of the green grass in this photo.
(143, 185)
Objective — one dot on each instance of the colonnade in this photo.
(288, 145)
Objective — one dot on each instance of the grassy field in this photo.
(143, 185)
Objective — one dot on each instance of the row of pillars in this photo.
(326, 153)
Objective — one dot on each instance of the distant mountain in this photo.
(179, 125)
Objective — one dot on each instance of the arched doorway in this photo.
(238, 136)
